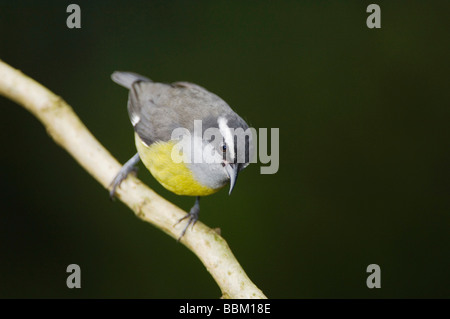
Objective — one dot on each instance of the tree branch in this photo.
(66, 129)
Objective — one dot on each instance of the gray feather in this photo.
(156, 109)
(126, 79)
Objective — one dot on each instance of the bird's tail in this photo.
(126, 79)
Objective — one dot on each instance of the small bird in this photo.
(209, 161)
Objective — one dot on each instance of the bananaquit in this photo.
(156, 110)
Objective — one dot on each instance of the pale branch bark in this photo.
(66, 129)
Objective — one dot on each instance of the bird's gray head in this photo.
(226, 147)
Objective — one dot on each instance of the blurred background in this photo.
(364, 147)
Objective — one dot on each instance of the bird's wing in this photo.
(152, 119)
(156, 109)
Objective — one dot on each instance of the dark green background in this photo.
(364, 154)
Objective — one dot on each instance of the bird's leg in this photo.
(126, 169)
(193, 217)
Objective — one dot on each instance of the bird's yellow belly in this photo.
(176, 177)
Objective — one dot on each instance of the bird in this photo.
(186, 136)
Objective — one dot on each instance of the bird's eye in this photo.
(224, 148)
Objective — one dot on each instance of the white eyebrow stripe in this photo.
(226, 133)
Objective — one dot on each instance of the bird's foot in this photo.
(192, 217)
(127, 168)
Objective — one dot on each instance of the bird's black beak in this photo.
(232, 171)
